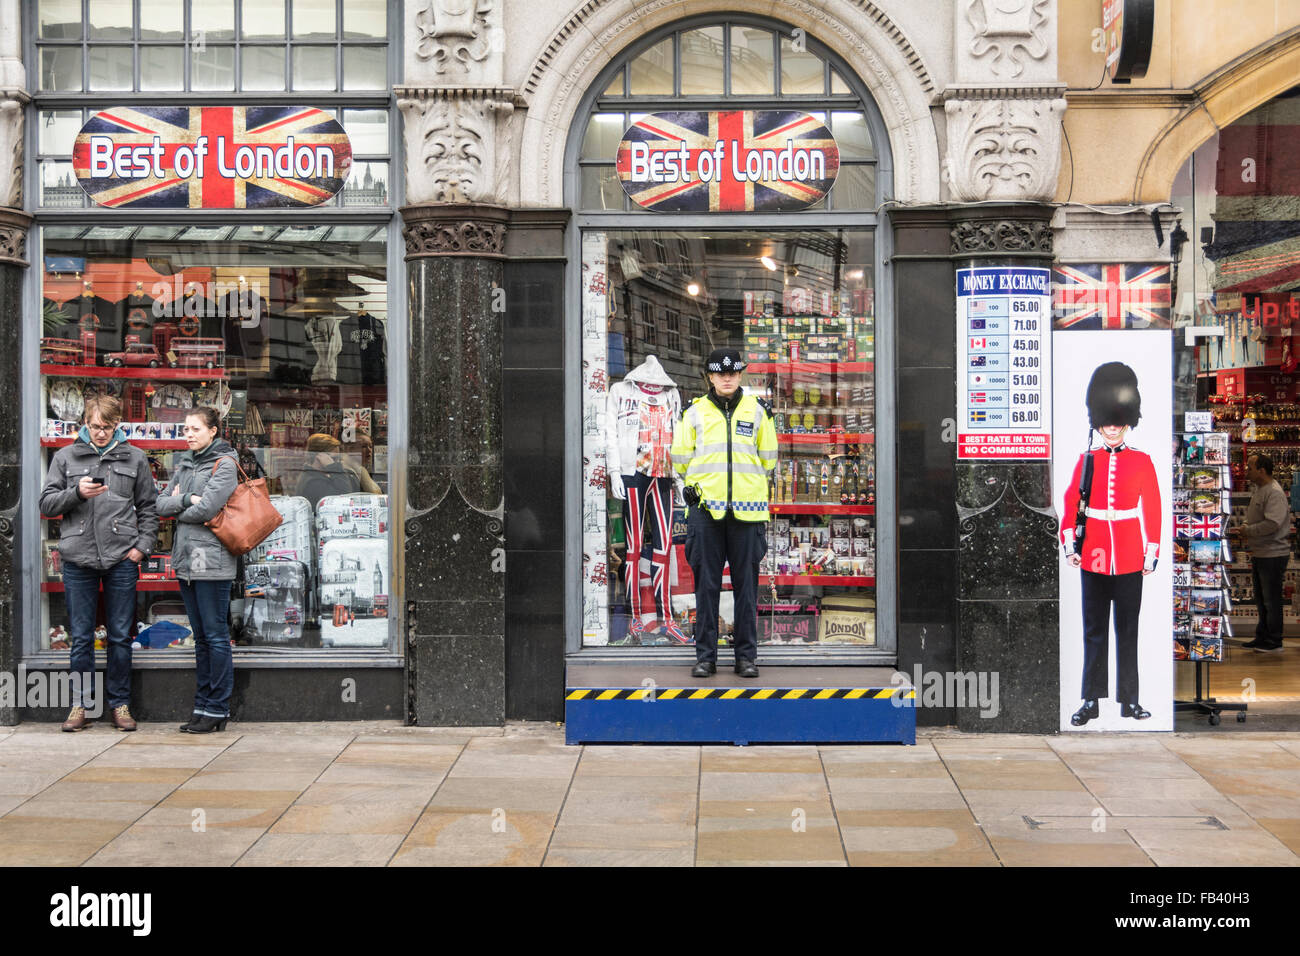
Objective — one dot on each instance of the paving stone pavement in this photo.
(379, 794)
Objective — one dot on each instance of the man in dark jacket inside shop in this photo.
(103, 490)
(1267, 527)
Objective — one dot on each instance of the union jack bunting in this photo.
(741, 131)
(1119, 296)
(1198, 526)
(210, 184)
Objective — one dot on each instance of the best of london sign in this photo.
(728, 161)
(211, 157)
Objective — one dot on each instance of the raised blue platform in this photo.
(638, 703)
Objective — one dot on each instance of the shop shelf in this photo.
(146, 374)
(827, 580)
(813, 368)
(827, 438)
(56, 587)
(148, 444)
(827, 508)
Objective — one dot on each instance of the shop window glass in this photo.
(162, 20)
(800, 305)
(852, 136)
(59, 19)
(288, 340)
(365, 68)
(262, 20)
(57, 130)
(838, 86)
(162, 68)
(652, 72)
(314, 68)
(802, 72)
(365, 18)
(212, 68)
(367, 130)
(313, 19)
(615, 87)
(604, 133)
(855, 187)
(703, 59)
(61, 69)
(753, 64)
(263, 68)
(59, 188)
(212, 20)
(109, 19)
(367, 185)
(601, 188)
(111, 67)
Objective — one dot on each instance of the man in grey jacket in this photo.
(103, 490)
(1267, 528)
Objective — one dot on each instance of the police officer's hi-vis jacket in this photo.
(727, 448)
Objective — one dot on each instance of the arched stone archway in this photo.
(1222, 97)
(869, 42)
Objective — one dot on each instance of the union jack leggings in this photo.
(654, 495)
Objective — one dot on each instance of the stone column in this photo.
(1002, 116)
(455, 543)
(1007, 581)
(13, 237)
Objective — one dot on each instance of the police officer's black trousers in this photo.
(1100, 592)
(709, 544)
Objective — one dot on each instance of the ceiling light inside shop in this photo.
(768, 263)
(693, 288)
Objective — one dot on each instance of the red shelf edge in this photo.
(830, 580)
(108, 371)
(826, 438)
(168, 584)
(816, 368)
(154, 444)
(810, 508)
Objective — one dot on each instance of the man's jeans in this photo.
(208, 605)
(81, 594)
(1268, 574)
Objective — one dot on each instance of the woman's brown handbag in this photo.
(247, 518)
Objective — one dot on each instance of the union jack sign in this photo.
(727, 161)
(1120, 296)
(212, 157)
(1198, 526)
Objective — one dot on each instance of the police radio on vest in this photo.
(108, 160)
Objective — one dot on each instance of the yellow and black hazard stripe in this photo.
(741, 693)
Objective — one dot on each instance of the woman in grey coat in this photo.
(202, 483)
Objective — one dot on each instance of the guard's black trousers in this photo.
(1100, 593)
(710, 543)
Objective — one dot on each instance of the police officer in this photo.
(1121, 539)
(725, 448)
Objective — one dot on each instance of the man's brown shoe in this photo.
(77, 720)
(121, 718)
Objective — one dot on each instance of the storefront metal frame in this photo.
(27, 577)
(886, 400)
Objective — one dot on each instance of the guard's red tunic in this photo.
(1124, 512)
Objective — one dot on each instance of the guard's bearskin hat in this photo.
(1113, 397)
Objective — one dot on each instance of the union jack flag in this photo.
(1119, 296)
(207, 188)
(741, 131)
(363, 512)
(1198, 526)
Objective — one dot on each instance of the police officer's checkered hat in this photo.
(725, 360)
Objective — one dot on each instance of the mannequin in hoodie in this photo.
(641, 413)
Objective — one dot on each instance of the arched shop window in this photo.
(784, 271)
(1240, 200)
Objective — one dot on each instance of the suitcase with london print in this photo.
(350, 516)
(354, 592)
(294, 540)
(276, 595)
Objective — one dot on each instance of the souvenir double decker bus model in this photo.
(60, 351)
(198, 353)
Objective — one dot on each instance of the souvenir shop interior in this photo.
(283, 330)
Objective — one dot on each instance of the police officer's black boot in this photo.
(704, 669)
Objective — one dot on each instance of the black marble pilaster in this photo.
(455, 559)
(1007, 595)
(13, 237)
